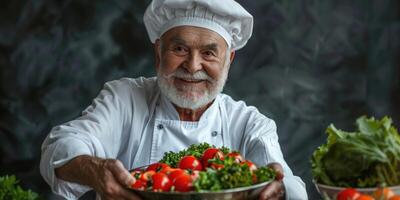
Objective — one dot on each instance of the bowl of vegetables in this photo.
(201, 171)
(366, 159)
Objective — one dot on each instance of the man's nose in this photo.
(193, 63)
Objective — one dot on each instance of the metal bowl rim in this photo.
(233, 190)
(332, 187)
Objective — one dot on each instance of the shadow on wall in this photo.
(308, 64)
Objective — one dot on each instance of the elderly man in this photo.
(133, 122)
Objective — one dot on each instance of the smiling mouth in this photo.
(190, 80)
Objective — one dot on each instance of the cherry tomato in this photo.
(157, 167)
(195, 174)
(139, 185)
(254, 178)
(216, 165)
(238, 158)
(383, 193)
(211, 153)
(348, 194)
(183, 183)
(365, 197)
(172, 176)
(168, 170)
(146, 176)
(395, 197)
(190, 162)
(161, 182)
(251, 165)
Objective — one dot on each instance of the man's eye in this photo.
(209, 53)
(180, 50)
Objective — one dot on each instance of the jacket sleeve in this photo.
(97, 133)
(262, 146)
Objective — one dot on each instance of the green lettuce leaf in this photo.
(367, 157)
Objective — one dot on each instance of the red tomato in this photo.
(172, 176)
(216, 165)
(395, 197)
(211, 153)
(251, 165)
(157, 167)
(348, 194)
(238, 158)
(168, 170)
(139, 185)
(183, 183)
(190, 162)
(147, 175)
(383, 193)
(254, 178)
(195, 174)
(365, 197)
(161, 182)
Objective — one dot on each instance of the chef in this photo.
(133, 121)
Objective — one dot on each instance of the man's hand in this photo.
(107, 177)
(275, 190)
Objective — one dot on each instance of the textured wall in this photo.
(309, 63)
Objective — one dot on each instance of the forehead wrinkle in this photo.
(178, 40)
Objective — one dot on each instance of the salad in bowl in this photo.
(365, 159)
(202, 171)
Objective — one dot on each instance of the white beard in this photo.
(190, 97)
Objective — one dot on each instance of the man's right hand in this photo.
(108, 177)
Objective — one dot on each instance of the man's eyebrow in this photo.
(212, 46)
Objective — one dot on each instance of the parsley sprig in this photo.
(9, 189)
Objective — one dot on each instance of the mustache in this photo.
(197, 76)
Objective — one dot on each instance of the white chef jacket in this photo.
(133, 122)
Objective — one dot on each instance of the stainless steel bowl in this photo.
(332, 191)
(242, 193)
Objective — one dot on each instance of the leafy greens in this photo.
(172, 158)
(9, 189)
(231, 175)
(368, 157)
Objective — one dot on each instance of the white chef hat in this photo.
(225, 17)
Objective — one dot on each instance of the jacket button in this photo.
(214, 133)
(160, 126)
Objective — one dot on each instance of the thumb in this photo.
(122, 175)
(278, 170)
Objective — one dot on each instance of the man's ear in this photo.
(157, 53)
(232, 56)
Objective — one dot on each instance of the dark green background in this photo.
(308, 64)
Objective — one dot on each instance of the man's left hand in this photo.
(275, 190)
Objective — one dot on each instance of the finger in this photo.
(121, 174)
(272, 190)
(278, 169)
(118, 192)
